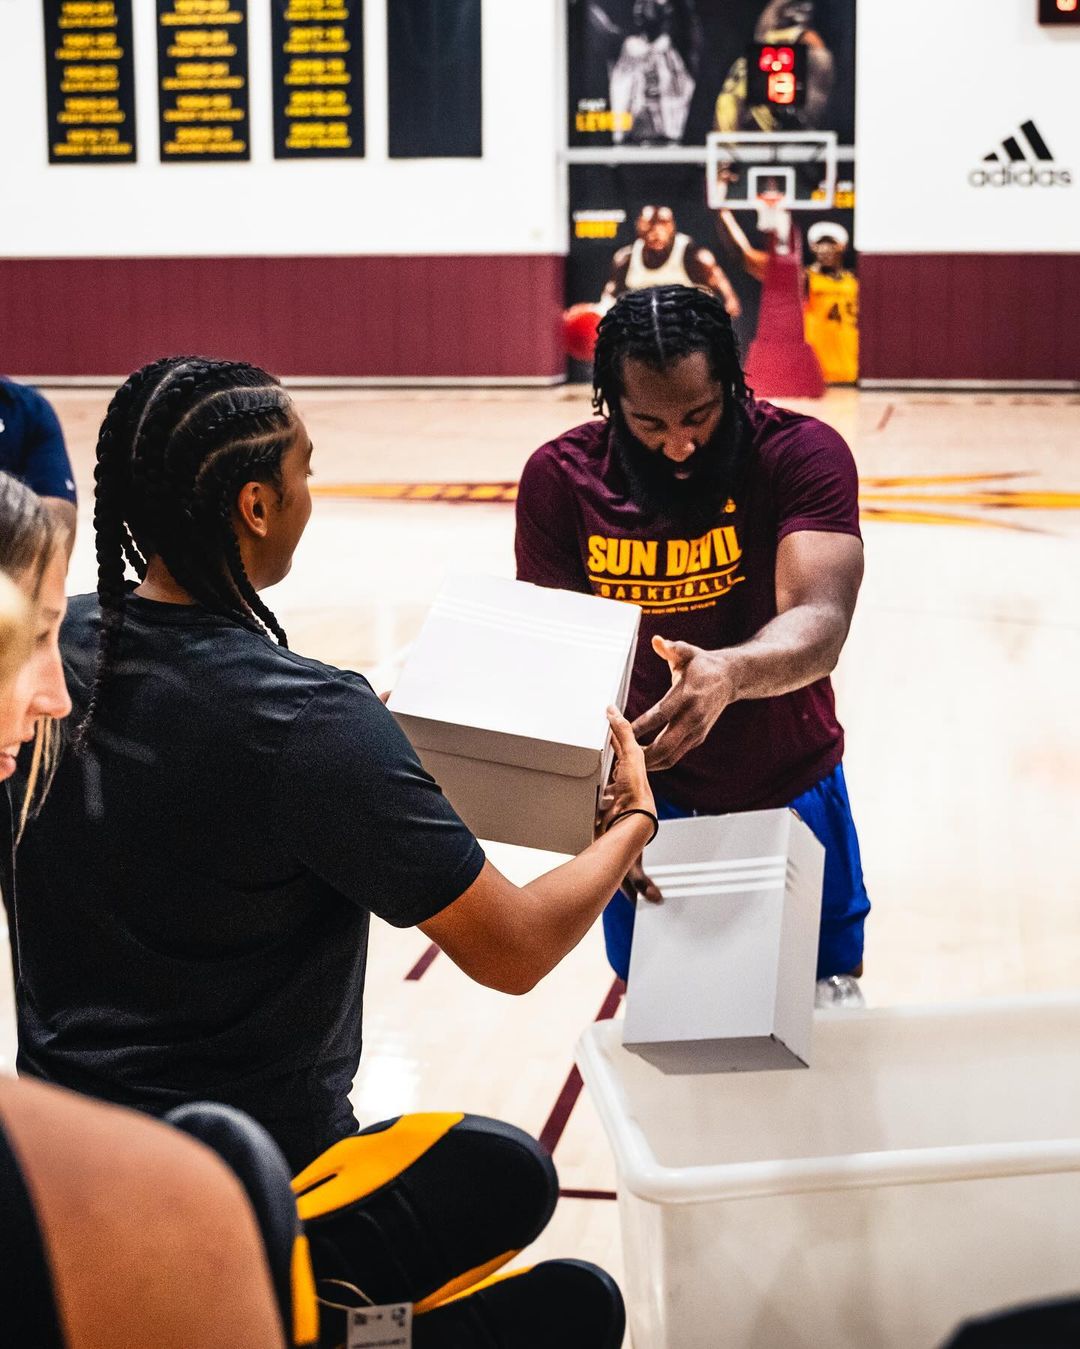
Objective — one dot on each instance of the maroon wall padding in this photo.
(378, 317)
(969, 316)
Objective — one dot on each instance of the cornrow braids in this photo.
(216, 485)
(112, 481)
(180, 438)
(660, 326)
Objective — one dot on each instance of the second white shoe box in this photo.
(723, 971)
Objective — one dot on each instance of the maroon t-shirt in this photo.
(579, 529)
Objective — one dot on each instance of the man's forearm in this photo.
(722, 284)
(797, 648)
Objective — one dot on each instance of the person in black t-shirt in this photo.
(193, 898)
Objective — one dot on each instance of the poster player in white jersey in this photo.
(661, 256)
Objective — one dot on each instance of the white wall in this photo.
(511, 201)
(940, 84)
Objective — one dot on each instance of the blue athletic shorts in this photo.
(844, 902)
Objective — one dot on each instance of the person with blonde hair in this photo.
(33, 558)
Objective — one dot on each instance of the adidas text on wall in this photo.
(1022, 160)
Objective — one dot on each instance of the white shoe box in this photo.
(504, 697)
(722, 972)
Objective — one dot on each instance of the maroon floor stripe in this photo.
(886, 417)
(561, 1111)
(563, 1108)
(587, 1194)
(610, 1005)
(421, 967)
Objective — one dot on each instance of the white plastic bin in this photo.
(927, 1168)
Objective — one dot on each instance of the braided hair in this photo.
(180, 438)
(659, 326)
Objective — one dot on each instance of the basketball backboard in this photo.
(742, 166)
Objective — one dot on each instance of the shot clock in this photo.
(776, 74)
(1059, 11)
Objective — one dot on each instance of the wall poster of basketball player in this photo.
(660, 74)
(661, 255)
(667, 72)
(782, 22)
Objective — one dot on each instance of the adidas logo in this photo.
(1022, 160)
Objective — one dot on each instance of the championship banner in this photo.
(203, 97)
(318, 61)
(434, 52)
(90, 82)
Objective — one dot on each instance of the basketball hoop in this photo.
(741, 165)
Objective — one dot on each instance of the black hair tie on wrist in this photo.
(637, 811)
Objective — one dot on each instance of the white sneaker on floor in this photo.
(839, 990)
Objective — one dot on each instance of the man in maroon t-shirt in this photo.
(734, 526)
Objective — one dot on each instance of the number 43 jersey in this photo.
(832, 323)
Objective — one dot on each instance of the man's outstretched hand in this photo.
(635, 883)
(701, 687)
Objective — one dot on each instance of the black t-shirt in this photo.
(192, 903)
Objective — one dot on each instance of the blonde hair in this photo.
(16, 633)
(29, 538)
(16, 644)
(42, 769)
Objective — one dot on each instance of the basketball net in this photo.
(774, 218)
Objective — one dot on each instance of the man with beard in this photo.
(734, 526)
(662, 256)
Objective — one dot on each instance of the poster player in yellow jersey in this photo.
(784, 22)
(832, 304)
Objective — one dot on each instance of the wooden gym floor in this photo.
(958, 689)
